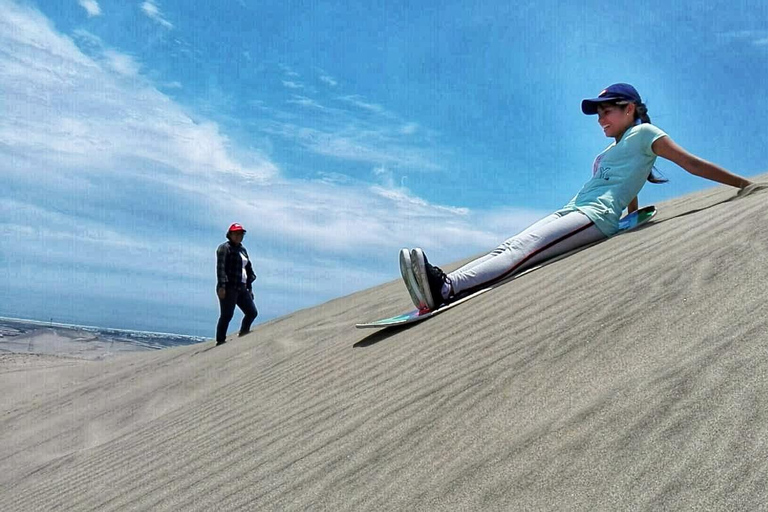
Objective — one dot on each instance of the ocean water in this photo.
(16, 329)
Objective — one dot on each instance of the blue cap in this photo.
(615, 92)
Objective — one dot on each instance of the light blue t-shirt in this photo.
(618, 174)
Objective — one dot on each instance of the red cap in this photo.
(236, 227)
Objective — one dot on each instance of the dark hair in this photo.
(641, 113)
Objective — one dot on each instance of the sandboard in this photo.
(627, 223)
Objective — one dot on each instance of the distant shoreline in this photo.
(45, 323)
(24, 337)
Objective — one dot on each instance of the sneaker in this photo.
(430, 279)
(406, 271)
(220, 343)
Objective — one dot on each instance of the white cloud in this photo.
(87, 40)
(755, 37)
(122, 63)
(376, 145)
(306, 102)
(151, 9)
(292, 85)
(288, 71)
(328, 80)
(358, 102)
(63, 227)
(82, 113)
(351, 128)
(91, 7)
(385, 176)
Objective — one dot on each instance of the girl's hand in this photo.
(754, 187)
(221, 292)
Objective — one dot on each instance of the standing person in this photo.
(234, 277)
(618, 174)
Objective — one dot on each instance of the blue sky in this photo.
(132, 133)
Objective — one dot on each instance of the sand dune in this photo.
(632, 375)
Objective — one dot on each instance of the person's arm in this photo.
(221, 273)
(251, 275)
(632, 207)
(665, 147)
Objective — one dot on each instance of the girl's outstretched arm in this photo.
(665, 147)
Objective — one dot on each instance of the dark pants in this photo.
(236, 296)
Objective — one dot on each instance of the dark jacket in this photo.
(229, 266)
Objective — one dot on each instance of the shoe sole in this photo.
(420, 271)
(406, 271)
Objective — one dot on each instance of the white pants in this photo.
(551, 236)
